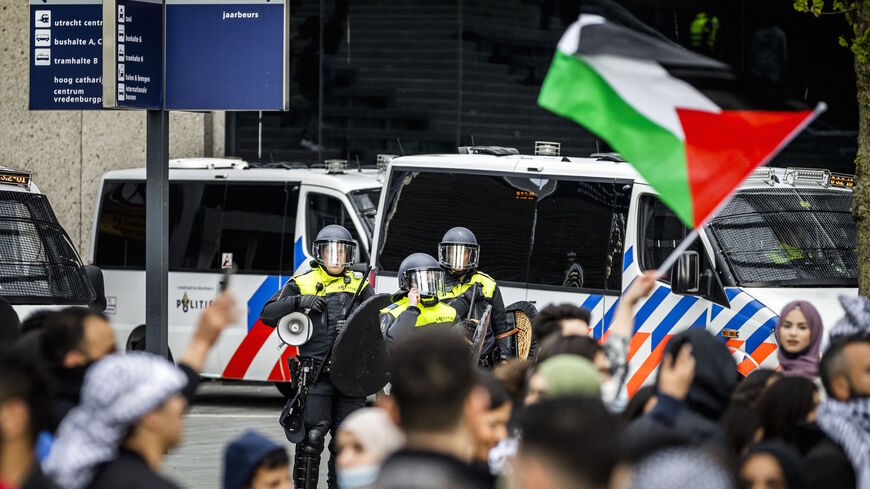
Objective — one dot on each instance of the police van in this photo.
(39, 266)
(554, 229)
(225, 213)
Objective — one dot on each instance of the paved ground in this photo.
(219, 414)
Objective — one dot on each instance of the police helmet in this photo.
(334, 247)
(424, 272)
(458, 249)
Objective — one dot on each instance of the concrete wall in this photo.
(68, 151)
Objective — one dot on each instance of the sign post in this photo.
(65, 55)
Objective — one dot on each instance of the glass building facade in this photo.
(418, 76)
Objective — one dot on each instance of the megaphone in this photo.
(295, 329)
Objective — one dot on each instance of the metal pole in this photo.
(157, 233)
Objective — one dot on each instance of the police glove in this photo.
(312, 302)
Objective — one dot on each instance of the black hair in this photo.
(833, 361)
(784, 405)
(634, 409)
(36, 320)
(273, 460)
(431, 378)
(21, 378)
(10, 325)
(576, 435)
(557, 344)
(750, 388)
(740, 423)
(64, 332)
(789, 460)
(498, 394)
(549, 320)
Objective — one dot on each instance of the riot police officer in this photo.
(421, 283)
(324, 293)
(458, 254)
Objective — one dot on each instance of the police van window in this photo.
(422, 206)
(323, 210)
(258, 226)
(206, 220)
(788, 236)
(660, 232)
(120, 238)
(579, 235)
(195, 218)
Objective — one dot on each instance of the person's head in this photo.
(432, 382)
(10, 326)
(36, 320)
(76, 337)
(253, 461)
(749, 388)
(584, 346)
(364, 440)
(772, 465)
(491, 428)
(566, 319)
(567, 442)
(24, 397)
(132, 400)
(563, 375)
(642, 402)
(715, 372)
(740, 422)
(423, 272)
(845, 367)
(785, 404)
(514, 375)
(458, 251)
(334, 249)
(799, 335)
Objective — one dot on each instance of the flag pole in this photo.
(691, 237)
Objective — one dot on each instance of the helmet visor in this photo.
(334, 253)
(429, 281)
(454, 256)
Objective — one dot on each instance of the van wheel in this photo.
(284, 389)
(136, 340)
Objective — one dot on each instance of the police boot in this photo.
(306, 466)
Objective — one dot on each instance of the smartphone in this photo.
(224, 284)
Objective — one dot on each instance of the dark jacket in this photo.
(338, 292)
(129, 471)
(826, 463)
(38, 480)
(696, 418)
(415, 469)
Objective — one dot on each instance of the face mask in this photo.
(358, 477)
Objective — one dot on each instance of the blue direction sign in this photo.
(65, 54)
(227, 55)
(134, 54)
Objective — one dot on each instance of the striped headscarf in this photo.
(117, 392)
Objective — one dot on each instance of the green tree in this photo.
(857, 16)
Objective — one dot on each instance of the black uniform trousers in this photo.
(325, 403)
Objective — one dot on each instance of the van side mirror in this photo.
(95, 277)
(686, 274)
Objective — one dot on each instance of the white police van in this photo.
(39, 266)
(224, 213)
(554, 229)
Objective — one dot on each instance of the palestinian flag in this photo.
(688, 125)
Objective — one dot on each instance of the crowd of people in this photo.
(75, 414)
